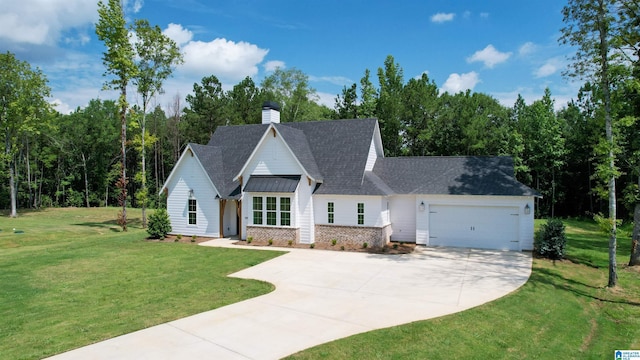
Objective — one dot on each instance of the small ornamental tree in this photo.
(159, 224)
(550, 240)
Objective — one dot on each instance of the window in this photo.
(360, 213)
(271, 210)
(267, 212)
(192, 212)
(257, 210)
(285, 211)
(330, 212)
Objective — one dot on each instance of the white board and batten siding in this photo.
(376, 210)
(375, 151)
(189, 175)
(273, 157)
(492, 222)
(403, 218)
(304, 211)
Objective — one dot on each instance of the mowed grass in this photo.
(73, 278)
(563, 311)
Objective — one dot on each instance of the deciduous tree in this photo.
(23, 90)
(120, 65)
(588, 25)
(156, 57)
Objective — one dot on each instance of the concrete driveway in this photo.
(321, 296)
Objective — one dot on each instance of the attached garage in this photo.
(486, 227)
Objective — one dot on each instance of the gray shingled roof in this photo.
(340, 148)
(299, 145)
(451, 175)
(336, 151)
(236, 143)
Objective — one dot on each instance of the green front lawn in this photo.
(73, 278)
(563, 312)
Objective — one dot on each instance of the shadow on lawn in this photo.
(546, 276)
(111, 224)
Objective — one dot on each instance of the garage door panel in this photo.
(490, 227)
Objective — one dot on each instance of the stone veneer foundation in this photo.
(279, 235)
(353, 236)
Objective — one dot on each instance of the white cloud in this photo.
(489, 56)
(527, 48)
(419, 76)
(460, 82)
(549, 68)
(178, 34)
(228, 60)
(329, 100)
(133, 6)
(442, 17)
(530, 95)
(41, 22)
(336, 80)
(272, 65)
(61, 107)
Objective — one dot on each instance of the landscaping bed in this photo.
(181, 239)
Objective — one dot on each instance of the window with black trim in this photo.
(360, 213)
(285, 211)
(193, 217)
(330, 212)
(272, 210)
(272, 213)
(257, 210)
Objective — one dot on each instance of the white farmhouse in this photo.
(312, 182)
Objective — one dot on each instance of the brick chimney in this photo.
(270, 112)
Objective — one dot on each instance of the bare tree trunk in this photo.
(634, 258)
(604, 63)
(40, 185)
(144, 163)
(86, 181)
(122, 183)
(12, 189)
(12, 185)
(553, 193)
(28, 161)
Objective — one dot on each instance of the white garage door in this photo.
(486, 227)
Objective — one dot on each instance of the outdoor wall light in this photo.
(190, 193)
(421, 206)
(527, 209)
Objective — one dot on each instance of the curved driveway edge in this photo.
(322, 296)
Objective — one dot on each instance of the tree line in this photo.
(570, 156)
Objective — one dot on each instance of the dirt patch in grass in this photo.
(391, 248)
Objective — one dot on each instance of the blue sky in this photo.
(502, 48)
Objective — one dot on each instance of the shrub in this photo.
(270, 242)
(333, 242)
(365, 245)
(550, 240)
(341, 247)
(290, 242)
(179, 236)
(249, 239)
(312, 245)
(395, 245)
(159, 225)
(193, 238)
